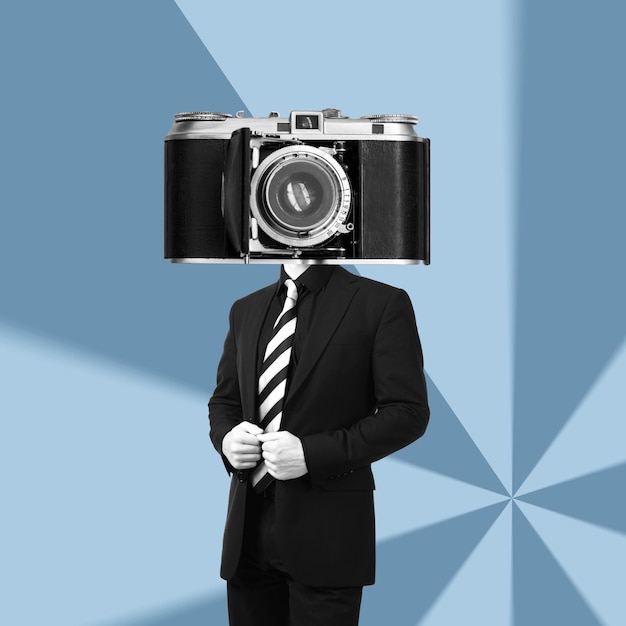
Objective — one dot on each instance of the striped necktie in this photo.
(273, 376)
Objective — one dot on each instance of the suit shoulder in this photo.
(253, 299)
(373, 287)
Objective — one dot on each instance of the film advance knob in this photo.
(201, 116)
(333, 114)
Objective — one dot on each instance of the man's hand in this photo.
(241, 446)
(283, 455)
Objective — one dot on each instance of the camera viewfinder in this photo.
(307, 122)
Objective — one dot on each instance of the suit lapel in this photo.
(330, 311)
(248, 349)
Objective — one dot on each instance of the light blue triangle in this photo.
(447, 447)
(543, 593)
(409, 497)
(593, 558)
(482, 588)
(114, 485)
(412, 570)
(593, 438)
(200, 612)
(597, 498)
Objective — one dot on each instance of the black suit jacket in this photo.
(357, 395)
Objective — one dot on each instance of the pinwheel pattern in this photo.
(510, 510)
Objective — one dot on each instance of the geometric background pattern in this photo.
(113, 500)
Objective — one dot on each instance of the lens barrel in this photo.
(300, 196)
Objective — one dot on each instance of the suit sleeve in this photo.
(401, 412)
(225, 410)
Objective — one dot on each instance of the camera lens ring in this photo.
(291, 197)
(300, 196)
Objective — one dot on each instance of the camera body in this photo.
(316, 187)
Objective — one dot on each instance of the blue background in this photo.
(113, 500)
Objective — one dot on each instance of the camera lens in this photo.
(300, 196)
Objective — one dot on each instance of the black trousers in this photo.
(262, 593)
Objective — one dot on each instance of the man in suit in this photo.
(299, 551)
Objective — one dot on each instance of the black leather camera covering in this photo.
(236, 190)
(394, 212)
(194, 226)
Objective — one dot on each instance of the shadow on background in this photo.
(447, 448)
(413, 569)
(571, 302)
(596, 498)
(544, 594)
(86, 111)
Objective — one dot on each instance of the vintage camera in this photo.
(316, 187)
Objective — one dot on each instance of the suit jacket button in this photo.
(242, 477)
